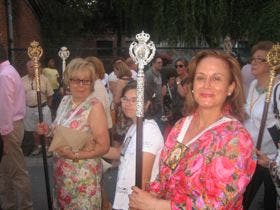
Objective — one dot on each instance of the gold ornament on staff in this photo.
(35, 52)
(273, 60)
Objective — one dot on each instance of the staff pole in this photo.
(141, 52)
(273, 60)
(35, 52)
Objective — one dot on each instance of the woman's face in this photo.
(128, 102)
(181, 69)
(80, 84)
(259, 65)
(212, 83)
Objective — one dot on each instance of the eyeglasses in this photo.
(128, 100)
(257, 60)
(180, 66)
(80, 82)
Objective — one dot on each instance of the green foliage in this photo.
(177, 21)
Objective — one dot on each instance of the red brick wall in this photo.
(3, 24)
(26, 29)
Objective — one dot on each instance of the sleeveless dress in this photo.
(76, 184)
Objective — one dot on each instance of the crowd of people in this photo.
(200, 130)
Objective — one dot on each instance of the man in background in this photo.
(14, 178)
(153, 80)
(32, 116)
(52, 74)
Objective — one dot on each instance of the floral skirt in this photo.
(77, 184)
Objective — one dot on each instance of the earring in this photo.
(229, 94)
(192, 91)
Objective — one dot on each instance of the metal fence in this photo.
(169, 54)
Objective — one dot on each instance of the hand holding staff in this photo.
(141, 53)
(35, 52)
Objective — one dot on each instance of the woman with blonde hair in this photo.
(77, 172)
(100, 91)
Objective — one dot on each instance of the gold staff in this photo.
(273, 60)
(35, 52)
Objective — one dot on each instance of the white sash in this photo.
(187, 122)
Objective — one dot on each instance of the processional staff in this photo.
(63, 54)
(228, 45)
(141, 53)
(273, 60)
(35, 52)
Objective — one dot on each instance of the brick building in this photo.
(25, 27)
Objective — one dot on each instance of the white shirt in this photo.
(152, 143)
(102, 95)
(105, 80)
(112, 77)
(254, 108)
(133, 74)
(247, 77)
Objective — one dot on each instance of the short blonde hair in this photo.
(233, 103)
(98, 65)
(78, 65)
(123, 69)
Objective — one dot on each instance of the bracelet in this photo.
(76, 157)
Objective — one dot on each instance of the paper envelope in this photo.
(64, 136)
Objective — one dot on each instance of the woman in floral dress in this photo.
(207, 160)
(77, 174)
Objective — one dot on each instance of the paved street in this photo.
(37, 177)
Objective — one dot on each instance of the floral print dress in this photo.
(77, 184)
(211, 171)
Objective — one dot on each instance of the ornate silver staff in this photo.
(141, 53)
(228, 45)
(35, 52)
(63, 54)
(273, 60)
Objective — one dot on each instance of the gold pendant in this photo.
(176, 154)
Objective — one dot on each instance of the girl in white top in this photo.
(152, 145)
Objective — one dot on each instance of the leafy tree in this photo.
(178, 21)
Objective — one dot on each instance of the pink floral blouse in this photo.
(213, 171)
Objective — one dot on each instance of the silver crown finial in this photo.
(143, 37)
